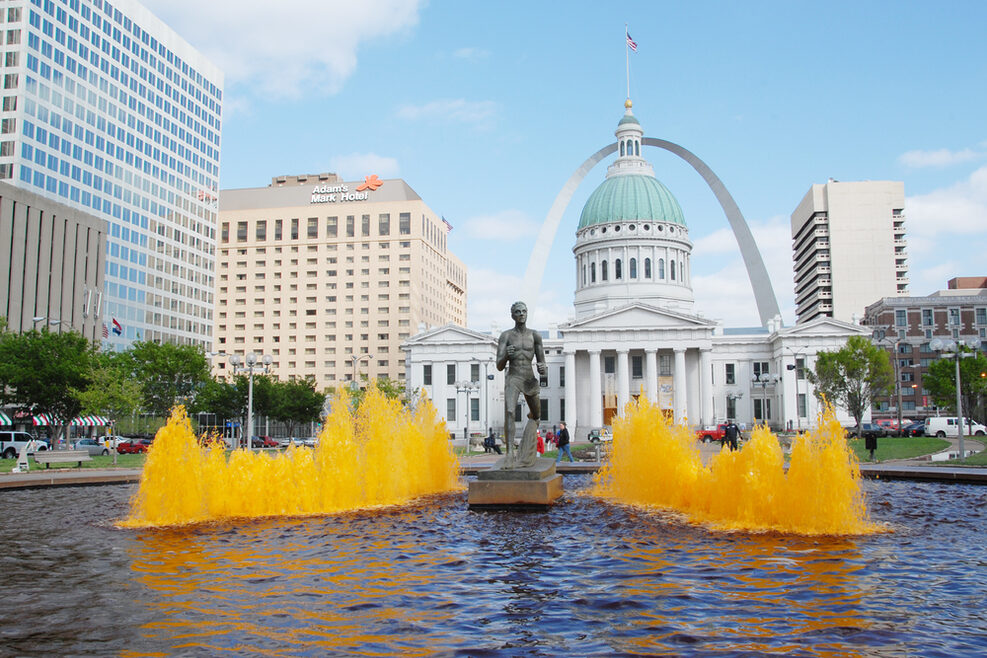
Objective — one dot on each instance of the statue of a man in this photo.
(515, 351)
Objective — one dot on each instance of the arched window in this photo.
(617, 270)
(584, 274)
(592, 272)
(661, 268)
(633, 265)
(603, 271)
(637, 147)
(671, 266)
(682, 271)
(647, 268)
(621, 148)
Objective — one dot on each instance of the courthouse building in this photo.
(328, 277)
(635, 329)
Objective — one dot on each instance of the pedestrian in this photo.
(540, 446)
(562, 439)
(731, 433)
(490, 443)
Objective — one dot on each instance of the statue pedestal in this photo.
(531, 486)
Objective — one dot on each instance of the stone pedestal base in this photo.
(534, 486)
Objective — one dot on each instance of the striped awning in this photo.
(45, 419)
(5, 419)
(90, 421)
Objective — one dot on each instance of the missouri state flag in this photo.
(117, 327)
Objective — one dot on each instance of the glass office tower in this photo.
(107, 109)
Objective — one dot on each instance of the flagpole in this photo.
(627, 60)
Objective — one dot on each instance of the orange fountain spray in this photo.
(658, 464)
(381, 454)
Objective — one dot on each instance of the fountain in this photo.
(657, 554)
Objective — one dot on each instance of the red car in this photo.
(133, 446)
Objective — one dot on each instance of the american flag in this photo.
(106, 331)
(630, 42)
(448, 225)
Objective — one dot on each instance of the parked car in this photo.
(12, 442)
(92, 446)
(134, 446)
(914, 428)
(867, 430)
(602, 434)
(110, 441)
(943, 426)
(890, 426)
(712, 433)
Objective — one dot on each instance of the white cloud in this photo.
(286, 49)
(726, 294)
(478, 113)
(959, 209)
(938, 158)
(357, 165)
(504, 225)
(472, 54)
(491, 294)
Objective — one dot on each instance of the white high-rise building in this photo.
(849, 248)
(107, 110)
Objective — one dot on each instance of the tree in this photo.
(111, 390)
(853, 376)
(297, 401)
(940, 380)
(42, 372)
(220, 398)
(169, 374)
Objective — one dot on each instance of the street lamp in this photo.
(467, 388)
(881, 335)
(249, 364)
(953, 349)
(763, 380)
(356, 362)
(42, 318)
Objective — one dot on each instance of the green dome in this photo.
(631, 197)
(628, 118)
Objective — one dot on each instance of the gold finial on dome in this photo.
(628, 103)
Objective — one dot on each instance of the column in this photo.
(679, 378)
(595, 390)
(706, 384)
(651, 372)
(623, 379)
(571, 415)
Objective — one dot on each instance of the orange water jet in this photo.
(654, 463)
(381, 454)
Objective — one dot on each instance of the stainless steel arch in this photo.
(764, 295)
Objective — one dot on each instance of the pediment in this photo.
(639, 316)
(823, 327)
(450, 334)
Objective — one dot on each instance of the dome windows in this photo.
(647, 268)
(632, 264)
(617, 270)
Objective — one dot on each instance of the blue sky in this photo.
(486, 109)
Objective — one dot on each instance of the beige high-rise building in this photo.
(329, 277)
(849, 248)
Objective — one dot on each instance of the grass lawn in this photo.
(979, 459)
(123, 461)
(899, 447)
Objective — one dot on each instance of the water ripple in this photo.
(433, 578)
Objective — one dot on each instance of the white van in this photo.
(12, 442)
(943, 426)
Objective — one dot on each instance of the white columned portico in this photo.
(595, 390)
(571, 414)
(623, 380)
(706, 385)
(651, 372)
(680, 385)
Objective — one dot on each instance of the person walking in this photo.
(731, 433)
(562, 438)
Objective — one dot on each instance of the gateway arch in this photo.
(764, 295)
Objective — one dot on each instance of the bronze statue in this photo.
(515, 351)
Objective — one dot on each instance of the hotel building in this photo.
(849, 248)
(106, 110)
(329, 277)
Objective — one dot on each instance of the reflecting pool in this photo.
(433, 578)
